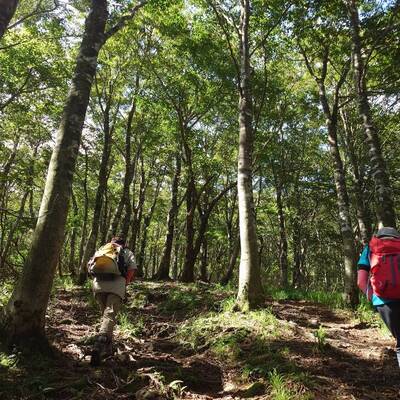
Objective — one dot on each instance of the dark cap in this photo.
(119, 240)
(388, 231)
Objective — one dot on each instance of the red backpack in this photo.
(385, 267)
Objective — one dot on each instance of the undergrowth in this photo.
(5, 292)
(331, 299)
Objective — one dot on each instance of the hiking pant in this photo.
(109, 304)
(390, 313)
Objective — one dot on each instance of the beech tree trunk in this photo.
(362, 209)
(7, 10)
(232, 262)
(383, 191)
(204, 261)
(188, 268)
(283, 244)
(130, 167)
(146, 223)
(331, 114)
(164, 267)
(85, 210)
(250, 288)
(101, 188)
(24, 315)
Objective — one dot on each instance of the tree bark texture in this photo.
(362, 209)
(24, 314)
(146, 223)
(232, 262)
(164, 267)
(351, 292)
(250, 288)
(188, 268)
(384, 197)
(283, 244)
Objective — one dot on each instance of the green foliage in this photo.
(8, 360)
(366, 314)
(225, 332)
(65, 282)
(5, 292)
(286, 387)
(130, 326)
(331, 299)
(185, 301)
(320, 336)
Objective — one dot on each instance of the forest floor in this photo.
(182, 342)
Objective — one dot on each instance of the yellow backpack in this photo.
(105, 260)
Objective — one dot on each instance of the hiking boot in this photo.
(102, 348)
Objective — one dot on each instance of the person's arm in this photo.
(363, 273)
(130, 276)
(362, 280)
(131, 267)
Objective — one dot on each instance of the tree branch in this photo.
(35, 12)
(124, 20)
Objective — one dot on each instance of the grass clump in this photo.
(250, 341)
(213, 330)
(320, 336)
(333, 300)
(287, 387)
(366, 314)
(128, 327)
(187, 302)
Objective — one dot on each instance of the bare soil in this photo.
(356, 361)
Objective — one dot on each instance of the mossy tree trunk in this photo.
(383, 191)
(24, 315)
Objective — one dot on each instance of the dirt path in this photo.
(350, 364)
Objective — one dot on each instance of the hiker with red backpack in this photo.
(112, 268)
(379, 278)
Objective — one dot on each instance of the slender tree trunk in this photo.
(24, 315)
(363, 212)
(71, 258)
(164, 267)
(297, 276)
(136, 219)
(250, 288)
(232, 262)
(85, 210)
(12, 231)
(383, 191)
(283, 245)
(175, 264)
(350, 270)
(5, 170)
(188, 268)
(101, 188)
(146, 224)
(204, 261)
(130, 167)
(7, 10)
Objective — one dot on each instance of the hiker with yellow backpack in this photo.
(112, 268)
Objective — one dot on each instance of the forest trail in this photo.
(349, 361)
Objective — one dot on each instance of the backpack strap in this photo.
(121, 263)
